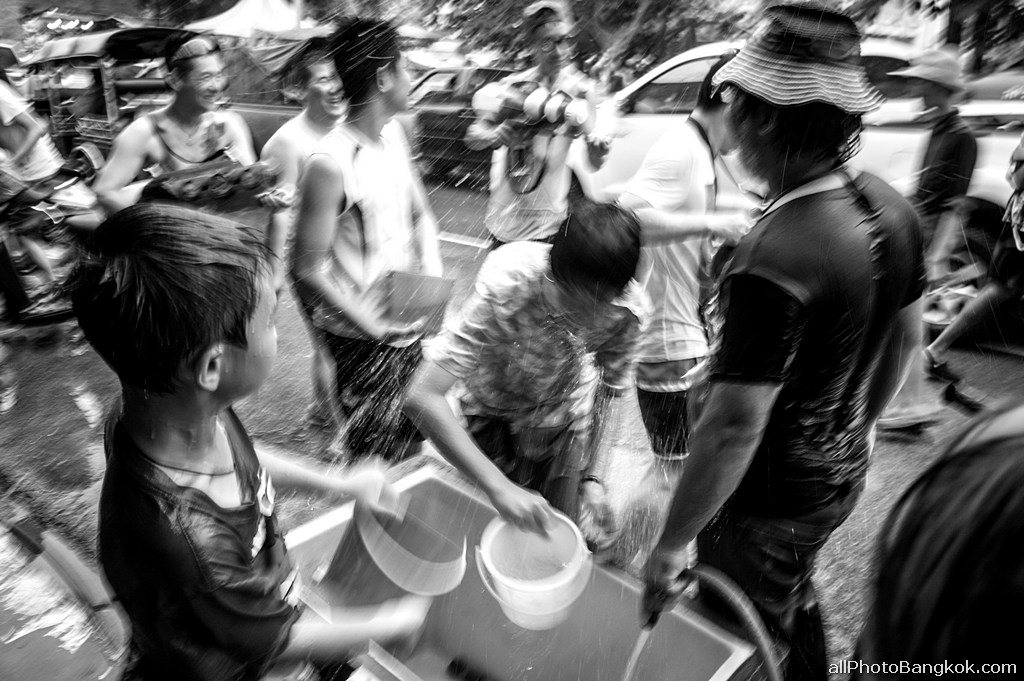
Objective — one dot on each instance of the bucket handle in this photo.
(486, 578)
(587, 568)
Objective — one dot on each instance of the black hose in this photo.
(726, 589)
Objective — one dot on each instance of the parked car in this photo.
(637, 116)
(441, 103)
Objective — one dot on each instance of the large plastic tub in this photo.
(469, 627)
(57, 620)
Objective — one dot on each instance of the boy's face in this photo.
(247, 369)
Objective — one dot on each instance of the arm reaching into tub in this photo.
(427, 406)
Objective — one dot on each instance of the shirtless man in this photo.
(288, 150)
(186, 133)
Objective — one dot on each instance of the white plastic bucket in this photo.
(534, 578)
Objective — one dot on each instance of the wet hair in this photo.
(360, 47)
(310, 58)
(162, 284)
(814, 131)
(950, 556)
(597, 246)
(709, 98)
(179, 55)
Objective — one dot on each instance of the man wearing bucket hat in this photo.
(817, 311)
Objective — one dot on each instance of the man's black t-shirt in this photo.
(210, 591)
(809, 301)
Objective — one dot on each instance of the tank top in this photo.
(374, 231)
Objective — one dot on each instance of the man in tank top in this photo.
(364, 214)
(287, 150)
(186, 133)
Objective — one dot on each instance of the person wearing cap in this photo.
(536, 214)
(819, 308)
(939, 197)
(188, 132)
(948, 161)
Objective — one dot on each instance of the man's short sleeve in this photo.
(762, 330)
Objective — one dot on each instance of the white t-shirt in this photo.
(677, 175)
(43, 161)
(537, 214)
(297, 134)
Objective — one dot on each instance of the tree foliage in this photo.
(645, 30)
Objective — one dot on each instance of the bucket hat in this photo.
(935, 66)
(803, 53)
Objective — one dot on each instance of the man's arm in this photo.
(322, 189)
(661, 226)
(722, 446)
(127, 157)
(32, 132)
(240, 137)
(427, 406)
(285, 158)
(366, 482)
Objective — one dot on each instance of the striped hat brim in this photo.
(785, 81)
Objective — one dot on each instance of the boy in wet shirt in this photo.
(181, 305)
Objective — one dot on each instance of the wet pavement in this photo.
(51, 458)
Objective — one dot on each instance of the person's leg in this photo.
(771, 560)
(377, 378)
(321, 413)
(981, 309)
(11, 286)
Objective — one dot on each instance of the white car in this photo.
(639, 114)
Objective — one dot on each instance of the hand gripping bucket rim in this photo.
(419, 576)
(535, 604)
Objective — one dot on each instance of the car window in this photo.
(438, 85)
(878, 69)
(674, 91)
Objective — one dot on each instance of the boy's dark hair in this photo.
(360, 47)
(708, 97)
(598, 246)
(178, 54)
(161, 285)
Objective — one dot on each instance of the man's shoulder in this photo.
(513, 265)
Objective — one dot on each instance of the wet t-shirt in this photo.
(519, 358)
(810, 301)
(210, 591)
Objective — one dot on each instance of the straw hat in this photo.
(803, 53)
(935, 66)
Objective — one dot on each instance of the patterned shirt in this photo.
(521, 358)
